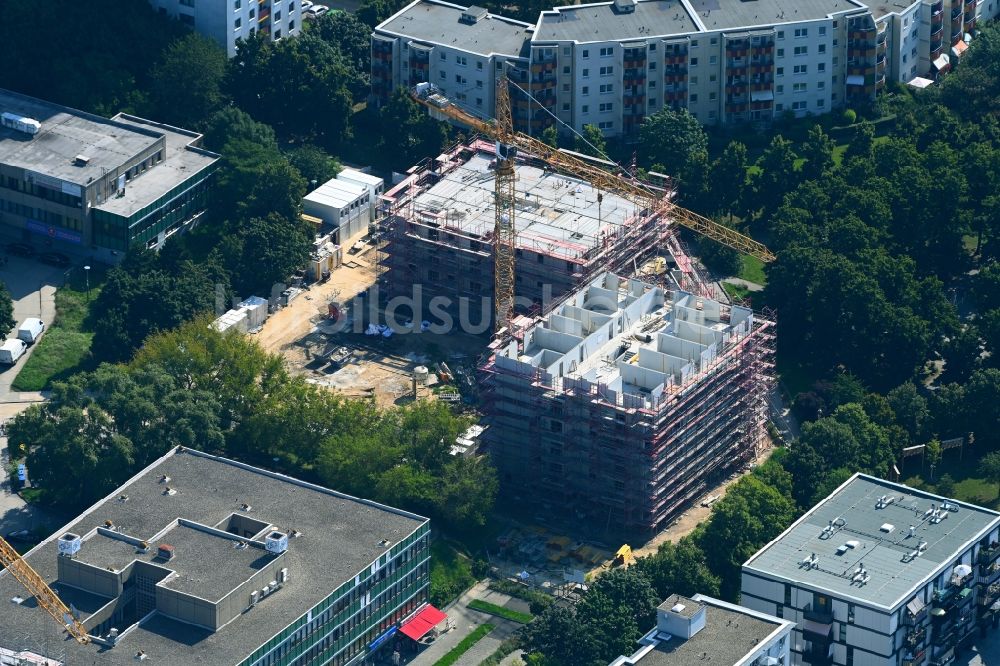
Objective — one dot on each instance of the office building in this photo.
(374, 185)
(345, 208)
(702, 630)
(624, 403)
(880, 574)
(81, 183)
(202, 560)
(612, 64)
(227, 21)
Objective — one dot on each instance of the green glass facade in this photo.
(341, 627)
(165, 214)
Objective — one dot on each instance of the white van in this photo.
(30, 330)
(12, 350)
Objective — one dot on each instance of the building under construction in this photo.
(624, 402)
(441, 226)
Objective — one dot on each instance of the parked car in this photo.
(12, 350)
(20, 249)
(54, 259)
(319, 10)
(306, 5)
(30, 330)
(19, 535)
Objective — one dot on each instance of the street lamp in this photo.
(86, 272)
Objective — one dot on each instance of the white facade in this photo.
(891, 606)
(342, 205)
(373, 184)
(226, 21)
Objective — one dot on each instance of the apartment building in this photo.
(77, 182)
(226, 21)
(704, 629)
(880, 574)
(203, 560)
(612, 64)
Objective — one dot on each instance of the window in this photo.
(586, 53)
(479, 101)
(237, 4)
(850, 656)
(652, 47)
(904, 57)
(820, 103)
(565, 106)
(607, 71)
(566, 69)
(586, 72)
(822, 48)
(712, 60)
(291, 25)
(780, 89)
(850, 613)
(779, 107)
(711, 78)
(462, 60)
(694, 62)
(585, 109)
(821, 85)
(801, 32)
(607, 107)
(822, 31)
(186, 19)
(607, 51)
(781, 53)
(693, 80)
(799, 106)
(277, 16)
(779, 71)
(479, 83)
(652, 84)
(694, 43)
(693, 97)
(277, 34)
(605, 124)
(711, 114)
(444, 56)
(239, 23)
(712, 96)
(800, 87)
(441, 74)
(607, 88)
(801, 50)
(843, 632)
(652, 66)
(479, 65)
(800, 69)
(565, 87)
(821, 67)
(652, 102)
(585, 90)
(781, 34)
(187, 3)
(779, 611)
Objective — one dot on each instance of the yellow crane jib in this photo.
(43, 594)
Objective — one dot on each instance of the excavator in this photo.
(510, 142)
(36, 586)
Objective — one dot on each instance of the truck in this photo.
(30, 330)
(12, 350)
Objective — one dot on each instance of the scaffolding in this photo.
(439, 231)
(621, 464)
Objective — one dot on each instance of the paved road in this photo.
(32, 286)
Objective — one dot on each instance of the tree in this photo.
(777, 176)
(313, 163)
(349, 35)
(254, 181)
(729, 179)
(550, 135)
(186, 84)
(989, 467)
(591, 142)
(617, 610)
(679, 568)
(7, 321)
(818, 151)
(409, 134)
(560, 639)
(232, 124)
(674, 139)
(720, 259)
(945, 485)
(910, 409)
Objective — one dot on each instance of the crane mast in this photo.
(504, 236)
(38, 588)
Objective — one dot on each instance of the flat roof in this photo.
(440, 23)
(64, 134)
(885, 7)
(731, 634)
(731, 14)
(360, 176)
(557, 214)
(336, 193)
(341, 535)
(181, 161)
(601, 23)
(850, 522)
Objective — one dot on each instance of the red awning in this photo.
(422, 622)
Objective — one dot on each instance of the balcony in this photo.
(914, 658)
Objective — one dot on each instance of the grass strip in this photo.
(500, 611)
(465, 645)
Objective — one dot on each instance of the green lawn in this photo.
(451, 573)
(969, 485)
(500, 611)
(466, 645)
(736, 292)
(64, 348)
(753, 270)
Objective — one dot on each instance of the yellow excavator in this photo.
(509, 143)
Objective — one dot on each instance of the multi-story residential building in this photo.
(880, 574)
(612, 64)
(624, 402)
(703, 629)
(226, 21)
(203, 560)
(78, 182)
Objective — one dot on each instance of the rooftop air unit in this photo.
(81, 160)
(20, 123)
(473, 15)
(165, 552)
(69, 544)
(276, 542)
(624, 6)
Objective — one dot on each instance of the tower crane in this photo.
(509, 143)
(38, 588)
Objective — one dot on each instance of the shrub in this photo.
(850, 116)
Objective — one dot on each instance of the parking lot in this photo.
(32, 286)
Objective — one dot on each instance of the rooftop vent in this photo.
(165, 552)
(245, 507)
(887, 528)
(164, 479)
(81, 160)
(884, 501)
(169, 491)
(677, 608)
(69, 544)
(624, 6)
(123, 498)
(108, 524)
(473, 15)
(276, 542)
(20, 123)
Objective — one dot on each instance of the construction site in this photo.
(440, 233)
(624, 403)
